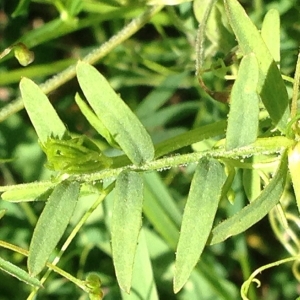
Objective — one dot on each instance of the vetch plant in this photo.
(259, 138)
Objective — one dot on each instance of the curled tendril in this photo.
(245, 286)
(93, 284)
(74, 155)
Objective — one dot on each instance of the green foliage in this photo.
(39, 110)
(243, 116)
(194, 230)
(126, 224)
(57, 213)
(74, 156)
(116, 116)
(131, 178)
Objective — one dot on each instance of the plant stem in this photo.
(274, 145)
(201, 38)
(296, 89)
(97, 54)
(59, 271)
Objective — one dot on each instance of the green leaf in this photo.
(36, 191)
(294, 167)
(41, 113)
(51, 224)
(190, 137)
(198, 217)
(271, 86)
(213, 26)
(243, 116)
(126, 224)
(19, 273)
(270, 32)
(143, 284)
(256, 210)
(95, 121)
(116, 116)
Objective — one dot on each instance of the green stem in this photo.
(295, 89)
(97, 54)
(272, 145)
(59, 271)
(263, 146)
(201, 38)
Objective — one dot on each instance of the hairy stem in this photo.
(97, 54)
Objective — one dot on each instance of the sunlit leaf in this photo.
(294, 167)
(270, 32)
(242, 128)
(116, 116)
(271, 86)
(41, 113)
(95, 121)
